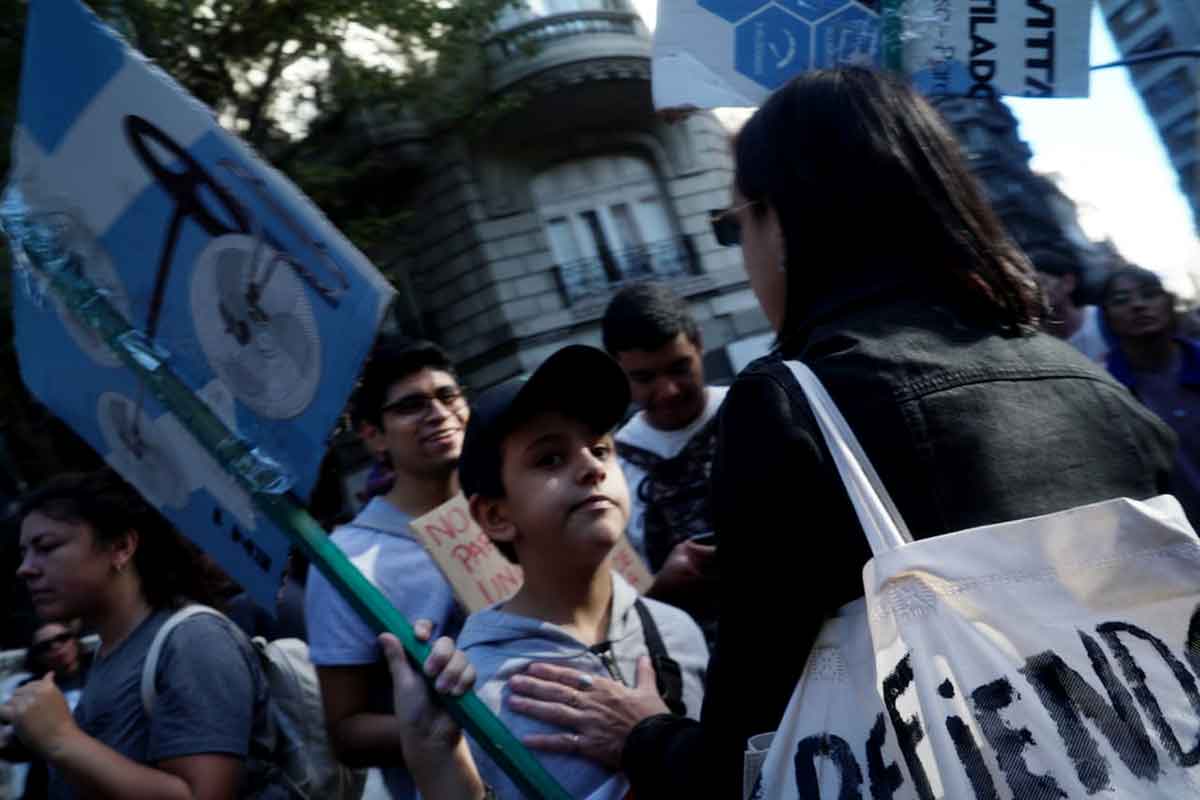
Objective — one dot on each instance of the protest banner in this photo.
(207, 318)
(261, 307)
(711, 53)
(478, 572)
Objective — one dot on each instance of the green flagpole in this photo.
(36, 249)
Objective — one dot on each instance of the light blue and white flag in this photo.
(257, 302)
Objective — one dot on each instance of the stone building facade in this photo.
(520, 234)
(1032, 206)
(1170, 88)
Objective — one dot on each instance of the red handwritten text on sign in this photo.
(479, 573)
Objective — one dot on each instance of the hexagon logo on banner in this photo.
(851, 36)
(733, 10)
(813, 10)
(771, 47)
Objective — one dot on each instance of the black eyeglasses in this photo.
(47, 645)
(417, 406)
(725, 225)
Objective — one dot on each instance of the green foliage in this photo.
(294, 78)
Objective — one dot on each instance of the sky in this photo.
(1109, 160)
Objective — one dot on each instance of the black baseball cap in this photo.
(580, 381)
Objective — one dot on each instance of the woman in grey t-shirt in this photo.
(92, 548)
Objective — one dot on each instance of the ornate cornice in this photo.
(611, 68)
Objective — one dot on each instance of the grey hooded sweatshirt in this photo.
(501, 645)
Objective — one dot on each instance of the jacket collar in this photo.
(841, 293)
(1189, 372)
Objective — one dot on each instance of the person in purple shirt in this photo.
(1159, 366)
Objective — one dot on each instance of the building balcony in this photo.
(549, 34)
(596, 277)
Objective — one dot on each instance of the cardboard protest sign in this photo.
(629, 565)
(228, 273)
(479, 573)
(710, 53)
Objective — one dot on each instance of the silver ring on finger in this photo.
(586, 681)
(575, 742)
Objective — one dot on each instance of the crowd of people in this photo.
(982, 389)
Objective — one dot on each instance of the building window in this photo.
(1163, 40)
(607, 224)
(1129, 17)
(1182, 137)
(1176, 87)
(1189, 182)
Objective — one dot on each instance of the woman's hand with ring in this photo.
(595, 714)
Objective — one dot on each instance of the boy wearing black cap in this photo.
(539, 468)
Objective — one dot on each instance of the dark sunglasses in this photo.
(418, 405)
(54, 641)
(725, 225)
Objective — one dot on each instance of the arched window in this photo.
(607, 223)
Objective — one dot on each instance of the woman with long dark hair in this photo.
(879, 263)
(92, 548)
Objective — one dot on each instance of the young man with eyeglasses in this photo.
(409, 409)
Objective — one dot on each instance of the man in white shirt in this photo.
(1060, 277)
(666, 449)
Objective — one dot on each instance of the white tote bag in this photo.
(1052, 657)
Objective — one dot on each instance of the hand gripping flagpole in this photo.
(39, 257)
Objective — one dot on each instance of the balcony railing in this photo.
(526, 38)
(597, 276)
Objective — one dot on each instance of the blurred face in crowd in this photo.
(423, 416)
(56, 648)
(1136, 308)
(763, 254)
(667, 383)
(1058, 289)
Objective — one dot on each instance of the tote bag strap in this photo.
(881, 522)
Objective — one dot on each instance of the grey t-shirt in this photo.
(211, 698)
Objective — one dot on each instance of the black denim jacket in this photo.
(966, 426)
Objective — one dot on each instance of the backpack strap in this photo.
(666, 669)
(149, 693)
